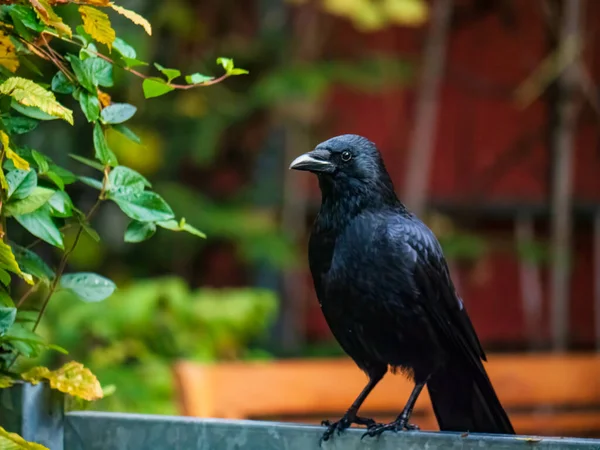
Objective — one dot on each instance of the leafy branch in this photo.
(34, 190)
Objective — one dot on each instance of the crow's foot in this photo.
(396, 425)
(344, 423)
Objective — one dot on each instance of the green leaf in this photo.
(103, 152)
(118, 113)
(30, 262)
(155, 87)
(61, 204)
(31, 111)
(5, 299)
(26, 16)
(124, 48)
(122, 176)
(21, 183)
(57, 180)
(38, 197)
(89, 51)
(88, 162)
(83, 35)
(90, 105)
(173, 225)
(90, 231)
(91, 182)
(125, 131)
(89, 287)
(40, 224)
(7, 318)
(101, 71)
(169, 73)
(19, 125)
(24, 340)
(197, 78)
(41, 161)
(61, 84)
(4, 277)
(83, 75)
(144, 206)
(87, 227)
(132, 62)
(65, 175)
(139, 231)
(227, 63)
(237, 71)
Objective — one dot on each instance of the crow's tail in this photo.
(464, 400)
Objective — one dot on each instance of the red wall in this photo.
(487, 149)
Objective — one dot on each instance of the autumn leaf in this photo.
(134, 17)
(28, 93)
(6, 382)
(19, 162)
(104, 98)
(72, 378)
(9, 262)
(8, 53)
(12, 441)
(47, 15)
(97, 24)
(3, 183)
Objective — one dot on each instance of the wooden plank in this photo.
(298, 386)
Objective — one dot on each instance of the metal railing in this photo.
(34, 412)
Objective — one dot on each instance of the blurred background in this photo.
(486, 112)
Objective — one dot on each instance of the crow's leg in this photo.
(351, 417)
(401, 422)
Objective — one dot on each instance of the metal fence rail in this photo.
(109, 431)
(36, 413)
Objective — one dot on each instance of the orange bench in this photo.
(544, 394)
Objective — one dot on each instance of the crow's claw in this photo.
(344, 423)
(397, 425)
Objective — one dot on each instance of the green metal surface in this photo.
(104, 431)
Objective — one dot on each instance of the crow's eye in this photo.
(346, 156)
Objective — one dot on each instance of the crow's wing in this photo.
(416, 246)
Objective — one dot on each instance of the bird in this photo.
(386, 293)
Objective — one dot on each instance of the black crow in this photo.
(385, 290)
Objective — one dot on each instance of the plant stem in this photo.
(63, 261)
(139, 74)
(29, 291)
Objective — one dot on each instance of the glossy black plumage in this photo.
(385, 290)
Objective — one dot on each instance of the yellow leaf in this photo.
(72, 378)
(47, 15)
(95, 2)
(6, 382)
(97, 24)
(8, 53)
(12, 441)
(29, 93)
(104, 98)
(19, 162)
(3, 182)
(9, 262)
(407, 12)
(134, 17)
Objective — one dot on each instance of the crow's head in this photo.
(346, 158)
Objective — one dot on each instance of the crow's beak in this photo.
(316, 161)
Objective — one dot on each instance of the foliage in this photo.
(150, 324)
(373, 15)
(48, 66)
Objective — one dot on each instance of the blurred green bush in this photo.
(132, 339)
